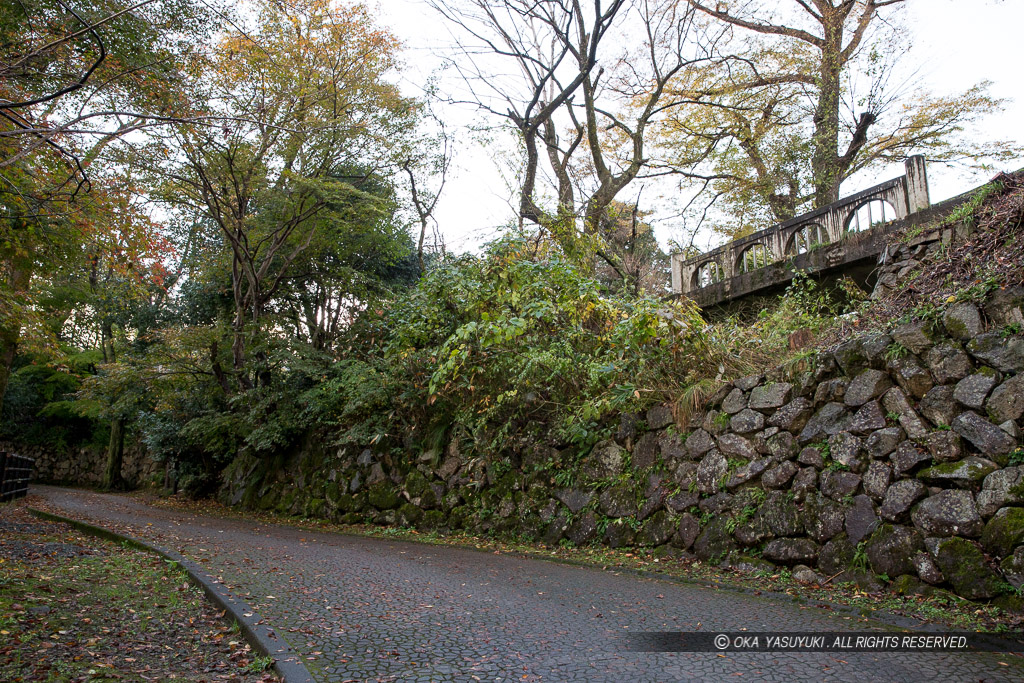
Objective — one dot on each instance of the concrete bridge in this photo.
(846, 233)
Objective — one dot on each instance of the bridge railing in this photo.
(892, 200)
(15, 473)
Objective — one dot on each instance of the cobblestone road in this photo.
(361, 609)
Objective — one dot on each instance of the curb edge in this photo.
(261, 637)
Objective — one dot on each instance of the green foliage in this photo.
(40, 405)
(565, 478)
(259, 664)
(968, 211)
(741, 518)
(835, 466)
(895, 351)
(860, 557)
(1017, 457)
(1011, 330)
(516, 340)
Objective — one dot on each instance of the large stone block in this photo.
(895, 401)
(746, 421)
(736, 446)
(847, 450)
(1002, 487)
(991, 348)
(915, 380)
(972, 390)
(989, 439)
(606, 459)
(770, 396)
(939, 407)
(915, 336)
(964, 566)
(867, 386)
(948, 363)
(830, 419)
(952, 512)
(891, 550)
(793, 416)
(962, 321)
(791, 551)
(1004, 532)
(884, 441)
(966, 473)
(861, 519)
(838, 485)
(1007, 401)
(868, 419)
(900, 497)
(711, 471)
(877, 479)
(699, 443)
(659, 417)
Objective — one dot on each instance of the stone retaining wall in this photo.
(85, 466)
(893, 460)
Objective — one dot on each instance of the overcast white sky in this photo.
(956, 43)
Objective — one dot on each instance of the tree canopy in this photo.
(806, 95)
(214, 219)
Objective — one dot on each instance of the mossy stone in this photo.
(332, 491)
(836, 555)
(750, 563)
(714, 542)
(970, 471)
(350, 518)
(428, 499)
(458, 517)
(268, 501)
(619, 534)
(409, 514)
(344, 503)
(1009, 602)
(964, 566)
(891, 550)
(432, 520)
(910, 585)
(1004, 532)
(284, 504)
(658, 529)
(315, 507)
(530, 527)
(383, 496)
(416, 484)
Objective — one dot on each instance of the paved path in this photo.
(361, 609)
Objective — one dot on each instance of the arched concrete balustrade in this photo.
(892, 200)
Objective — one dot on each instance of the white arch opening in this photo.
(869, 214)
(753, 257)
(707, 274)
(807, 238)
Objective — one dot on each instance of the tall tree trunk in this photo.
(115, 447)
(825, 155)
(115, 456)
(19, 274)
(238, 326)
(8, 348)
